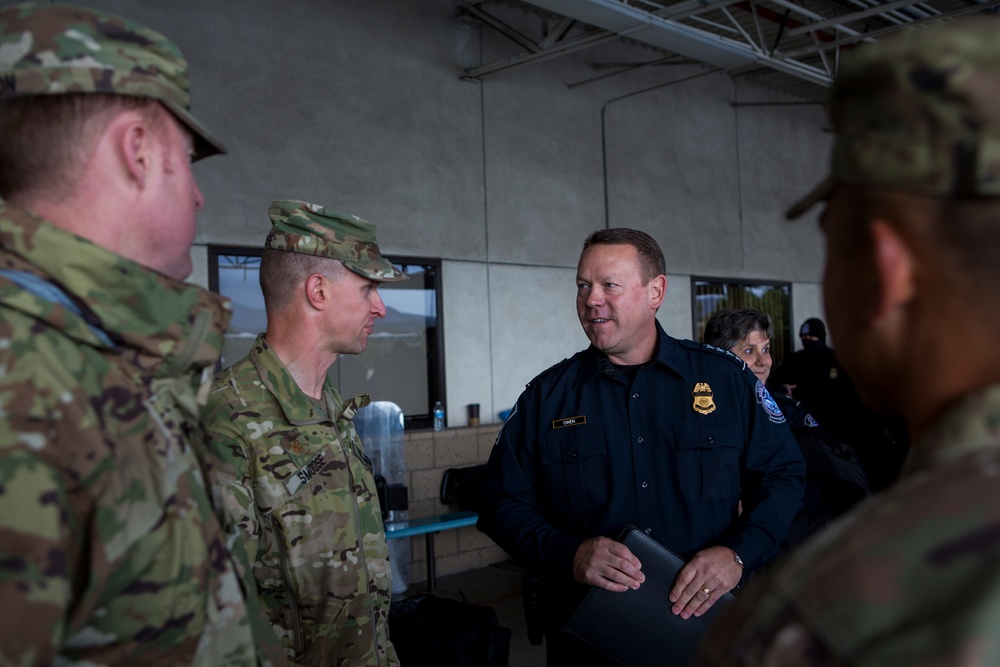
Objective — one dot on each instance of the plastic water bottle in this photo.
(438, 416)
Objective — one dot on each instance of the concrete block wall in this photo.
(428, 454)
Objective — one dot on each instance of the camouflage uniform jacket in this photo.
(297, 480)
(110, 550)
(910, 577)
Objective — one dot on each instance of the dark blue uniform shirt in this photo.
(585, 452)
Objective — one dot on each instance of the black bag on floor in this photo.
(432, 631)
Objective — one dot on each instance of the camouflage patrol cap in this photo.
(50, 49)
(299, 226)
(919, 111)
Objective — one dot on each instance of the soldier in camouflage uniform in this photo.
(110, 550)
(912, 289)
(294, 471)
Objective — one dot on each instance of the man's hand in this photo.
(714, 570)
(607, 564)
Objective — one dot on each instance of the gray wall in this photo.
(360, 106)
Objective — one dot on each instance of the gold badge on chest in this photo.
(703, 402)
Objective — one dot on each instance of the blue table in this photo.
(429, 527)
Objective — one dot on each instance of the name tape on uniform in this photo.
(306, 473)
(579, 420)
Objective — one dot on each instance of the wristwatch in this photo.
(739, 561)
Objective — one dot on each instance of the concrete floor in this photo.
(497, 586)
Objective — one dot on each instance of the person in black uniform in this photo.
(815, 378)
(812, 375)
(642, 429)
(835, 478)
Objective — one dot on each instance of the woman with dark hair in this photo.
(835, 479)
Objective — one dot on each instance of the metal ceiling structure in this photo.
(793, 46)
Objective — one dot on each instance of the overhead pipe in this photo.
(604, 138)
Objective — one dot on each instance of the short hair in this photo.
(283, 272)
(46, 140)
(650, 254)
(727, 327)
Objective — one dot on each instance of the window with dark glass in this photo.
(711, 294)
(404, 360)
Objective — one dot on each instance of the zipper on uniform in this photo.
(286, 576)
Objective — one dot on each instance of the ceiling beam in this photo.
(855, 16)
(500, 27)
(641, 26)
(845, 41)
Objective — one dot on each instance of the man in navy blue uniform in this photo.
(642, 429)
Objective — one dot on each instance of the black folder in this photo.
(637, 628)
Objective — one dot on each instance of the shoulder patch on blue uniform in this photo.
(769, 404)
(810, 421)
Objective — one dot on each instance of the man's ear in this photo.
(318, 291)
(136, 146)
(894, 269)
(657, 290)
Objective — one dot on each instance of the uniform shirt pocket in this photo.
(708, 460)
(575, 465)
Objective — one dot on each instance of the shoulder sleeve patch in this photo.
(770, 406)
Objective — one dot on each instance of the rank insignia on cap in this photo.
(703, 402)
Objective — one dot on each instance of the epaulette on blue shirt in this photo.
(705, 347)
(554, 367)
